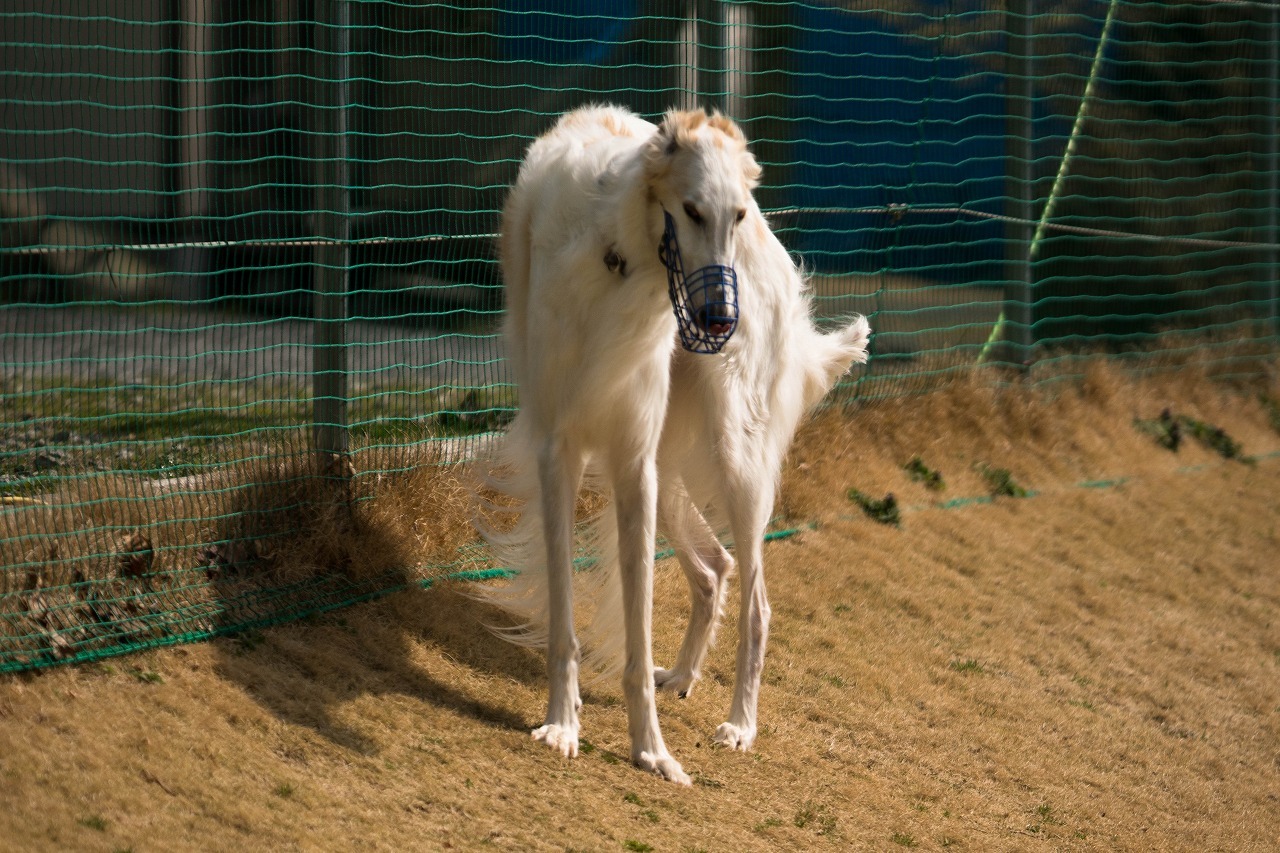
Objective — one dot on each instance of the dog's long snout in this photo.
(705, 301)
(715, 314)
(712, 292)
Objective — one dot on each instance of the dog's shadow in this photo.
(304, 673)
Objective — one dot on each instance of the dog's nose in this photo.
(713, 319)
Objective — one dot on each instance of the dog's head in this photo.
(701, 175)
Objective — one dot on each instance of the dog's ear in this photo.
(672, 132)
(678, 129)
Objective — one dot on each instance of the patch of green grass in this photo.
(766, 824)
(815, 817)
(1045, 818)
(903, 839)
(284, 790)
(145, 676)
(967, 667)
(637, 846)
(706, 781)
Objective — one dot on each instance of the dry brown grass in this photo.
(1090, 668)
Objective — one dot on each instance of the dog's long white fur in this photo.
(691, 443)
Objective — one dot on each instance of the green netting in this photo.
(246, 247)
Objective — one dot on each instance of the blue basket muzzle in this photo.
(705, 301)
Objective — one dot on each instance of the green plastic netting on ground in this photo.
(244, 252)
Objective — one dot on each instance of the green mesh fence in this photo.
(246, 247)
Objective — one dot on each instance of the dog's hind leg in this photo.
(707, 567)
(635, 495)
(559, 471)
(750, 505)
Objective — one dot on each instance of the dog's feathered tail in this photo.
(829, 356)
(511, 523)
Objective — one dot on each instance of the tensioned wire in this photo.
(896, 210)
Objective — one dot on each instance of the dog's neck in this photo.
(635, 232)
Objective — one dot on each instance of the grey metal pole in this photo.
(1016, 314)
(1272, 161)
(712, 61)
(332, 257)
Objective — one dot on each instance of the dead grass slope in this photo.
(1096, 667)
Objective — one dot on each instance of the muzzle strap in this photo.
(705, 302)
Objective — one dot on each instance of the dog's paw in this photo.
(735, 737)
(562, 739)
(676, 680)
(663, 765)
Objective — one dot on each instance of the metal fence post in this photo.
(332, 255)
(1016, 315)
(1272, 160)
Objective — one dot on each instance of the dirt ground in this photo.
(1094, 665)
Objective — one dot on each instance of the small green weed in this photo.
(637, 846)
(284, 790)
(1272, 407)
(1212, 437)
(903, 839)
(922, 473)
(247, 641)
(1164, 429)
(884, 511)
(97, 822)
(1169, 429)
(1002, 483)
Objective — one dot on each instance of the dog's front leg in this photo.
(739, 732)
(707, 567)
(559, 470)
(635, 493)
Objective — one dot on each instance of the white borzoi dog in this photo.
(611, 224)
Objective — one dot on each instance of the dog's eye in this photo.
(692, 212)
